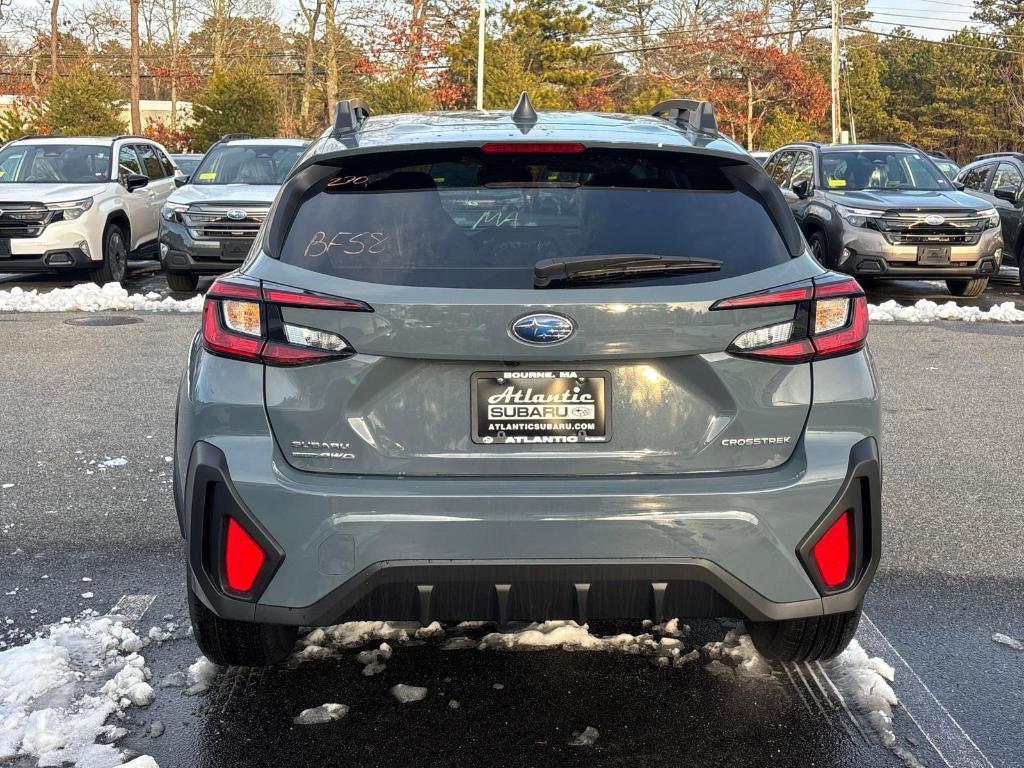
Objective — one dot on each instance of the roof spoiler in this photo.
(349, 116)
(688, 113)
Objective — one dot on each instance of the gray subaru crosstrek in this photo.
(516, 366)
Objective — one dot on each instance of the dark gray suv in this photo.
(518, 366)
(882, 211)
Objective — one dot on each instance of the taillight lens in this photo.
(830, 319)
(243, 558)
(242, 319)
(833, 552)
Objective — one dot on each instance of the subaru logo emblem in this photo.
(934, 220)
(542, 328)
(235, 214)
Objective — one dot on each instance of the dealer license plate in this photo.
(540, 406)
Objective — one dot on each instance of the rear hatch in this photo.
(473, 362)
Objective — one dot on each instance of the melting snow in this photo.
(586, 738)
(58, 691)
(200, 676)
(925, 311)
(865, 682)
(407, 694)
(89, 297)
(120, 461)
(1008, 641)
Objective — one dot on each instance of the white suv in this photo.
(70, 204)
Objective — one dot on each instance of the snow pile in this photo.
(58, 691)
(866, 683)
(373, 660)
(736, 655)
(325, 713)
(324, 641)
(569, 636)
(89, 297)
(200, 676)
(586, 738)
(925, 311)
(1009, 642)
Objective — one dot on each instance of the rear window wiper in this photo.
(615, 266)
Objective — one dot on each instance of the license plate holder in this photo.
(536, 407)
(235, 251)
(933, 255)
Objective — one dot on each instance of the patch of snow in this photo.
(143, 761)
(174, 680)
(1010, 642)
(459, 644)
(58, 690)
(156, 729)
(453, 704)
(567, 635)
(373, 660)
(434, 629)
(119, 461)
(926, 311)
(325, 713)
(5, 486)
(406, 694)
(200, 676)
(865, 683)
(87, 595)
(737, 652)
(89, 297)
(586, 738)
(321, 642)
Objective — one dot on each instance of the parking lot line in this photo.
(946, 736)
(132, 607)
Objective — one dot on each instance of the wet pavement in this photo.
(951, 576)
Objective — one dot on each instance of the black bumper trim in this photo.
(500, 590)
(877, 266)
(41, 262)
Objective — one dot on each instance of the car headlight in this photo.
(70, 210)
(858, 217)
(991, 217)
(170, 211)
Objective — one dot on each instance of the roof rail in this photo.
(129, 136)
(349, 116)
(236, 136)
(688, 113)
(1018, 155)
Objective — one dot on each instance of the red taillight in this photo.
(243, 320)
(243, 558)
(830, 319)
(532, 148)
(833, 552)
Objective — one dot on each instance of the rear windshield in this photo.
(247, 164)
(465, 219)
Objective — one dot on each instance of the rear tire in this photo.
(817, 638)
(968, 288)
(114, 267)
(238, 643)
(180, 283)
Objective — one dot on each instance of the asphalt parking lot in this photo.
(952, 575)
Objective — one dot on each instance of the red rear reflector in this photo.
(532, 147)
(832, 553)
(243, 558)
(786, 295)
(294, 298)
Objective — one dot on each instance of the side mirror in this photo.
(1007, 193)
(959, 186)
(135, 181)
(180, 180)
(802, 188)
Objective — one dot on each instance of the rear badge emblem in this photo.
(235, 214)
(542, 328)
(934, 220)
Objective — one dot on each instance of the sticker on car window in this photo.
(837, 183)
(207, 175)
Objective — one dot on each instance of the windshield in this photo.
(848, 170)
(247, 164)
(54, 163)
(466, 219)
(187, 164)
(948, 167)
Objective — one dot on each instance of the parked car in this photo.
(208, 226)
(945, 163)
(187, 164)
(884, 211)
(524, 365)
(999, 179)
(81, 204)
(760, 156)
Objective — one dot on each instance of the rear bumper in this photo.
(510, 549)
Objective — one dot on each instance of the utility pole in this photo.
(836, 115)
(135, 79)
(481, 36)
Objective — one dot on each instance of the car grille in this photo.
(23, 219)
(912, 228)
(212, 222)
